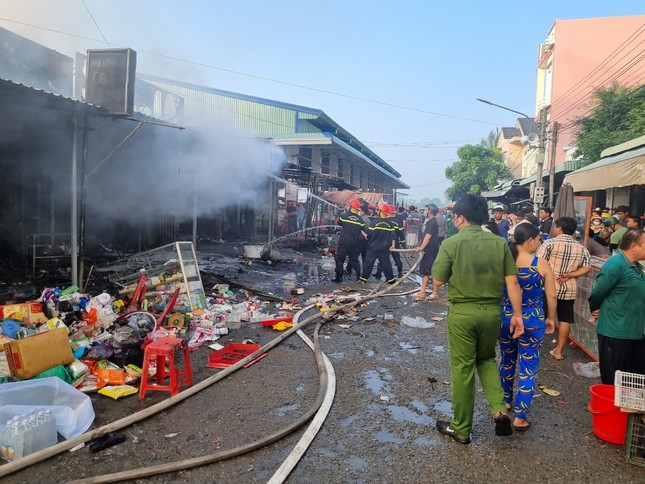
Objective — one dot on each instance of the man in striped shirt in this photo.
(569, 260)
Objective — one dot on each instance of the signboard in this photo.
(110, 79)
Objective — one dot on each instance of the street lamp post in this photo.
(538, 192)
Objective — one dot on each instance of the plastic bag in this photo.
(417, 322)
(588, 370)
(118, 391)
(72, 409)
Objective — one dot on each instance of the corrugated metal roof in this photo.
(268, 118)
(14, 92)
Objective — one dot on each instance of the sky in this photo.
(402, 77)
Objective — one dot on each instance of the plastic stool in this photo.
(163, 351)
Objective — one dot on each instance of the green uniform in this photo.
(474, 263)
(617, 237)
(619, 291)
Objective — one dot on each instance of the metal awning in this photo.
(512, 192)
(621, 170)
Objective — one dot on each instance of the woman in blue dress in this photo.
(535, 278)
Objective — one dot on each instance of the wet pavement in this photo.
(392, 386)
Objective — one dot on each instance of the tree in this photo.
(477, 170)
(618, 115)
(491, 140)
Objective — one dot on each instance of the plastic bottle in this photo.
(15, 445)
(27, 428)
(50, 435)
(6, 439)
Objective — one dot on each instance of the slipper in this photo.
(559, 358)
(503, 427)
(522, 428)
(432, 297)
(107, 440)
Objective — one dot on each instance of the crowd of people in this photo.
(512, 278)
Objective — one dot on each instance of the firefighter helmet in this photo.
(354, 204)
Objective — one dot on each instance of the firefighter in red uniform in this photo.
(353, 231)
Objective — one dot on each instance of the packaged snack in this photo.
(118, 391)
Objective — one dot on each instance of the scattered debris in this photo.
(345, 326)
(385, 398)
(588, 370)
(432, 381)
(549, 391)
(417, 322)
(171, 435)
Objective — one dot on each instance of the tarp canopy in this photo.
(342, 196)
(622, 170)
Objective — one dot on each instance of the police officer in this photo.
(381, 238)
(353, 230)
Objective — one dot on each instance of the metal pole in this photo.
(83, 203)
(538, 194)
(74, 220)
(502, 107)
(554, 144)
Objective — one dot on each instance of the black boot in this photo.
(339, 277)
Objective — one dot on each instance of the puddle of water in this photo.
(411, 347)
(349, 420)
(300, 388)
(286, 409)
(419, 405)
(425, 441)
(369, 353)
(356, 463)
(439, 349)
(404, 414)
(444, 407)
(385, 436)
(326, 453)
(375, 380)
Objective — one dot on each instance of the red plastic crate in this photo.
(231, 354)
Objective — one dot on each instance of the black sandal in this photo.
(503, 427)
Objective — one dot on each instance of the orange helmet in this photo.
(388, 209)
(354, 204)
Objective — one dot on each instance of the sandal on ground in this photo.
(552, 353)
(522, 428)
(503, 426)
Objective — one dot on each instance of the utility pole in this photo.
(554, 144)
(538, 192)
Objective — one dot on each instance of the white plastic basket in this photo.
(630, 390)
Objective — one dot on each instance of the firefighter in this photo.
(397, 223)
(381, 237)
(353, 231)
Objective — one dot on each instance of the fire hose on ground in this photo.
(222, 455)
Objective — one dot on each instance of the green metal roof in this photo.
(567, 167)
(269, 118)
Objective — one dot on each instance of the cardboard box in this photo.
(30, 356)
(25, 313)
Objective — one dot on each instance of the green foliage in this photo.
(478, 169)
(618, 115)
(492, 138)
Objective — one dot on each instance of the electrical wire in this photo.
(572, 103)
(619, 48)
(276, 81)
(94, 20)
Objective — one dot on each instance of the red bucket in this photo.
(608, 422)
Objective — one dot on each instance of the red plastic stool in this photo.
(163, 351)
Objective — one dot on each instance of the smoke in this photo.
(166, 171)
(161, 170)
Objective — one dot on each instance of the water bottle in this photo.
(15, 444)
(50, 435)
(6, 439)
(27, 428)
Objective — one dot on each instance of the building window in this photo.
(324, 165)
(340, 169)
(304, 157)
